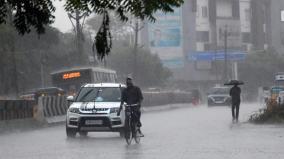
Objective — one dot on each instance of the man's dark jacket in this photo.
(132, 95)
(235, 93)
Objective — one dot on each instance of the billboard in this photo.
(232, 55)
(165, 38)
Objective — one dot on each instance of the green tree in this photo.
(38, 14)
(259, 70)
(150, 70)
(118, 28)
(50, 51)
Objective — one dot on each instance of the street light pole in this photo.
(226, 58)
(42, 69)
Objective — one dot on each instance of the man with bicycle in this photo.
(132, 95)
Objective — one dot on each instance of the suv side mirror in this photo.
(70, 98)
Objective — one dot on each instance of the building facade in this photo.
(203, 40)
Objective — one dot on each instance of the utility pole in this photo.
(12, 49)
(42, 61)
(78, 29)
(225, 53)
(215, 53)
(235, 70)
(136, 29)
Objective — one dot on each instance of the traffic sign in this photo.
(232, 55)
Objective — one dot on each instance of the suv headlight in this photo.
(113, 110)
(74, 110)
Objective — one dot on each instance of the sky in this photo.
(62, 21)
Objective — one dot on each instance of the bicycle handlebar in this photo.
(131, 105)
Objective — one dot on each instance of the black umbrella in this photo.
(234, 82)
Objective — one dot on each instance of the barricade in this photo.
(58, 105)
(16, 109)
(53, 105)
(51, 109)
(163, 98)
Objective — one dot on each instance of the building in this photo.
(171, 37)
(267, 28)
(203, 40)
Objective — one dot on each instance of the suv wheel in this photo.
(70, 132)
(83, 133)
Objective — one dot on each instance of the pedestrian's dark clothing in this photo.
(133, 95)
(235, 93)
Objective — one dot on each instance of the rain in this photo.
(142, 79)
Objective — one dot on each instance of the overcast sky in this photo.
(62, 21)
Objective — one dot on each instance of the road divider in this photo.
(164, 98)
(52, 109)
(16, 109)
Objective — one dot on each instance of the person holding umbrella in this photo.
(235, 93)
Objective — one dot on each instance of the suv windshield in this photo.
(221, 90)
(99, 94)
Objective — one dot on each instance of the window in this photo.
(99, 76)
(108, 77)
(246, 37)
(194, 5)
(204, 12)
(221, 34)
(202, 36)
(247, 14)
(282, 38)
(236, 8)
(197, 12)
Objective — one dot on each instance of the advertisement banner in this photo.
(165, 38)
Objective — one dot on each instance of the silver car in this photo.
(219, 96)
(95, 109)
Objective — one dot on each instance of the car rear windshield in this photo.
(99, 94)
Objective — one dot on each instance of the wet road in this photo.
(190, 132)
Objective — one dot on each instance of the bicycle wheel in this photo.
(137, 136)
(128, 132)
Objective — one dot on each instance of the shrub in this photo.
(274, 113)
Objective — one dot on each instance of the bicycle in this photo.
(131, 120)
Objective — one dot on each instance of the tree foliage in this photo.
(150, 71)
(27, 14)
(259, 69)
(103, 38)
(142, 9)
(39, 13)
(51, 51)
(119, 29)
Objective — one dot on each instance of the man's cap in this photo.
(129, 77)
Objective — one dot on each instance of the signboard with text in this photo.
(216, 56)
(165, 38)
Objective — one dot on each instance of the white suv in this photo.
(95, 109)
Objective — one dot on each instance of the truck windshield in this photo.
(99, 94)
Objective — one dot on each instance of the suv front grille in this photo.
(97, 109)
